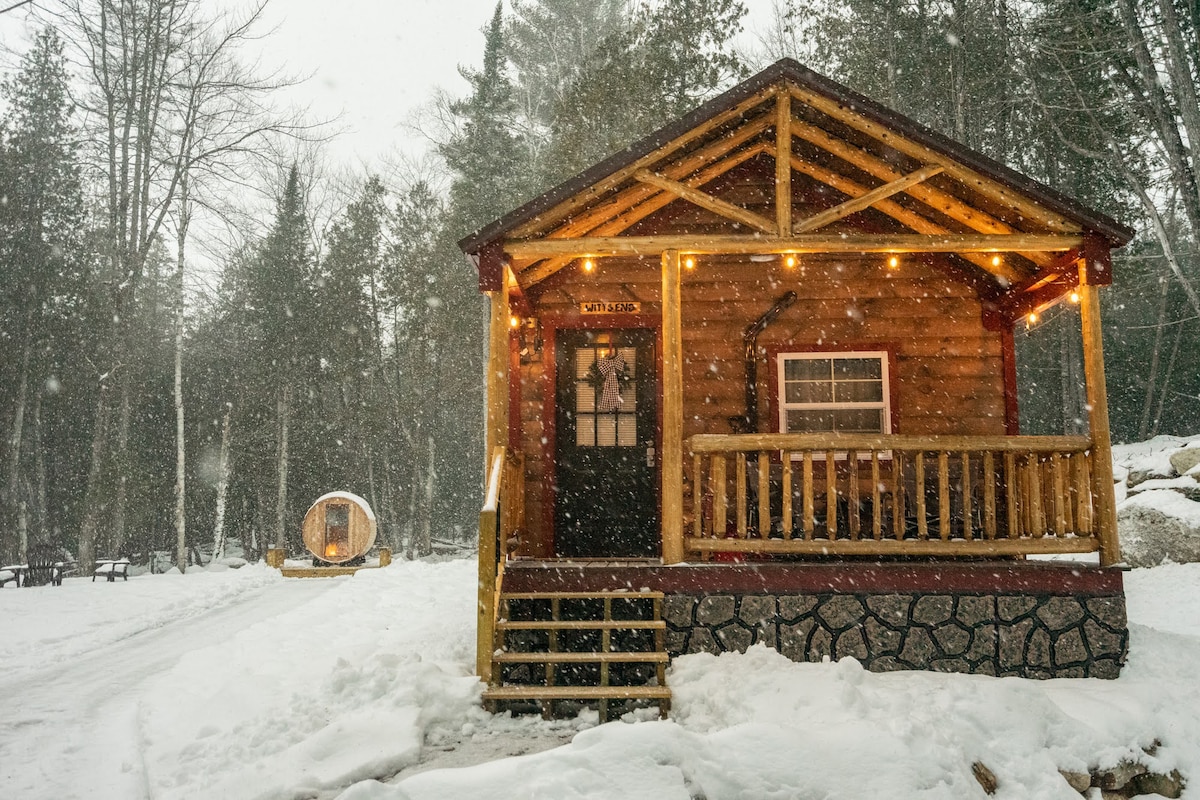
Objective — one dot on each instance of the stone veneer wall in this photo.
(1033, 636)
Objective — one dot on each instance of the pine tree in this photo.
(279, 291)
(42, 249)
(485, 153)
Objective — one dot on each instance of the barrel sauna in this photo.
(339, 529)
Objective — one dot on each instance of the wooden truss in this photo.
(872, 167)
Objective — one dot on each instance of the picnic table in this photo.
(110, 568)
(35, 573)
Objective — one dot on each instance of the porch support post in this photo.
(497, 373)
(1103, 497)
(496, 435)
(672, 434)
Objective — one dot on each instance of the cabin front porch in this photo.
(901, 552)
(761, 365)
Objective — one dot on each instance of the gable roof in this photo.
(857, 141)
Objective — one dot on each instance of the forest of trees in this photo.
(337, 340)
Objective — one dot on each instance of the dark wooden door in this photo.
(606, 489)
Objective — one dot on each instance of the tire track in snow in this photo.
(95, 698)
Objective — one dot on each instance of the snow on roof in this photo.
(353, 498)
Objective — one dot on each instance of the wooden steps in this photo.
(589, 647)
(653, 657)
(581, 625)
(577, 693)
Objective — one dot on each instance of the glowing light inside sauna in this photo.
(1074, 297)
(893, 262)
(589, 265)
(689, 262)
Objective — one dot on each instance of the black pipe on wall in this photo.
(748, 422)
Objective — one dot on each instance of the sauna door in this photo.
(606, 459)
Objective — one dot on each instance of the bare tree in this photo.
(173, 116)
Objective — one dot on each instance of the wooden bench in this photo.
(110, 568)
(11, 574)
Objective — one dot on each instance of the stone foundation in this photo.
(1024, 618)
(1028, 636)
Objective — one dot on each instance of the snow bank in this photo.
(756, 725)
(1158, 513)
(342, 688)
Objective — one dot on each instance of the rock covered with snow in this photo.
(1158, 515)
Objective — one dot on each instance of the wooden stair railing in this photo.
(500, 522)
(577, 638)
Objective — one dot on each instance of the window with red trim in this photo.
(824, 392)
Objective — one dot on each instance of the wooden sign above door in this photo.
(610, 307)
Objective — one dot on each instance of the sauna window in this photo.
(601, 423)
(834, 392)
(337, 530)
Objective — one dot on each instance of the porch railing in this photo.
(889, 494)
(502, 517)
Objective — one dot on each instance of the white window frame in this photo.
(885, 405)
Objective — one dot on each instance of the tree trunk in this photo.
(1155, 358)
(180, 440)
(22, 532)
(1162, 393)
(90, 522)
(425, 545)
(1160, 110)
(117, 540)
(222, 486)
(283, 410)
(12, 491)
(42, 526)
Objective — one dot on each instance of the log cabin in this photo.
(752, 380)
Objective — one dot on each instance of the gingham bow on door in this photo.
(610, 395)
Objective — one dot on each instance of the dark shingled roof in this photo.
(787, 69)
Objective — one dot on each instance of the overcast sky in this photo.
(372, 62)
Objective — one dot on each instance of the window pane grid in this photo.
(617, 428)
(830, 393)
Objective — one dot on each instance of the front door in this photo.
(606, 498)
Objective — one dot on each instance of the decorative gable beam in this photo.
(810, 243)
(867, 200)
(941, 201)
(708, 202)
(683, 169)
(783, 161)
(620, 223)
(988, 188)
(905, 216)
(608, 183)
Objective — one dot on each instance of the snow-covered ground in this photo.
(241, 684)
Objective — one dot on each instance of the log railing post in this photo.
(1104, 497)
(489, 556)
(671, 502)
(497, 373)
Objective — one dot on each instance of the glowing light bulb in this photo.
(589, 265)
(689, 262)
(514, 322)
(995, 261)
(1033, 317)
(893, 262)
(1074, 297)
(790, 260)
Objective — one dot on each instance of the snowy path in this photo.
(74, 732)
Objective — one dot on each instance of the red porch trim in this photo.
(846, 577)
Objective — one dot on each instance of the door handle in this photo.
(650, 456)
